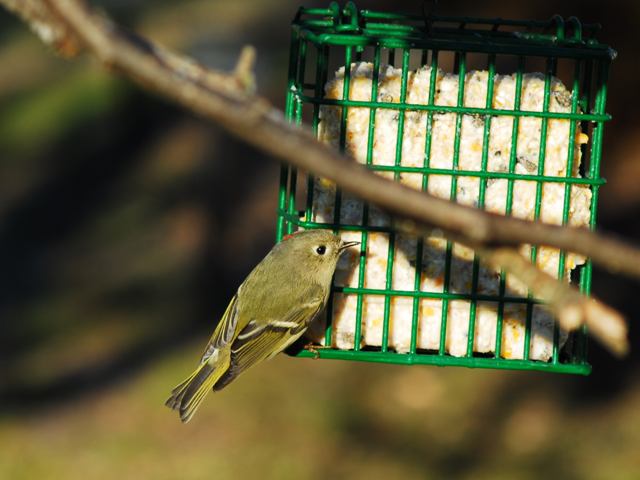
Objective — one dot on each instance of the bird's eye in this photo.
(321, 250)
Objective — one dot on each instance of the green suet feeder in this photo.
(503, 115)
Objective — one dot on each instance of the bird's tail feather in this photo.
(188, 395)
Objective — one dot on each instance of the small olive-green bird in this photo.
(272, 308)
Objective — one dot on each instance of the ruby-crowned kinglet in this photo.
(271, 309)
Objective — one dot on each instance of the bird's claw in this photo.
(315, 349)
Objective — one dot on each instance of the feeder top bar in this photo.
(557, 37)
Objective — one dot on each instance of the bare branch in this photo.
(229, 100)
(219, 96)
(571, 308)
(565, 301)
(51, 31)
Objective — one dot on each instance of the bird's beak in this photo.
(344, 245)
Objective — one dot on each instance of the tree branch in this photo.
(224, 99)
(229, 100)
(569, 306)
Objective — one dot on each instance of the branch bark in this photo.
(46, 25)
(225, 99)
(229, 100)
(570, 307)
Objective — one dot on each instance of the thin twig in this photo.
(244, 70)
(569, 306)
(47, 26)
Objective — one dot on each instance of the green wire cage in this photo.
(338, 39)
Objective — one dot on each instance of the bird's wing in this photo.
(261, 340)
(225, 330)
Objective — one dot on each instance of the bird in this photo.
(271, 309)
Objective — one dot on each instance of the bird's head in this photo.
(317, 251)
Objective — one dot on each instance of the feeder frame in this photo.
(326, 29)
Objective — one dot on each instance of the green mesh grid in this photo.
(324, 39)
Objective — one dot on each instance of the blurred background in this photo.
(126, 224)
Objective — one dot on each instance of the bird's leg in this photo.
(315, 349)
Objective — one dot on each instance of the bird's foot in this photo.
(315, 349)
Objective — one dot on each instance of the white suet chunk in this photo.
(441, 155)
